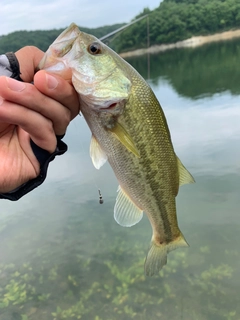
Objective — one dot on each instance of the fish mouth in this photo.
(53, 65)
(54, 56)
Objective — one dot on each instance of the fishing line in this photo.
(91, 174)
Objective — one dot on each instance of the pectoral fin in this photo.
(184, 175)
(126, 213)
(97, 155)
(122, 135)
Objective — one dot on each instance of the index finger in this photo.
(58, 89)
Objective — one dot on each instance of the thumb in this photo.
(28, 58)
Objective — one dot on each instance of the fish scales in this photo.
(153, 148)
(130, 131)
(144, 179)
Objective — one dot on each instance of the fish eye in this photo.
(94, 48)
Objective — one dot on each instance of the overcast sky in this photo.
(49, 14)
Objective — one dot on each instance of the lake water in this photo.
(63, 256)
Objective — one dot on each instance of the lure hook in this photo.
(100, 197)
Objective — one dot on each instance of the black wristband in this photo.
(44, 157)
(14, 65)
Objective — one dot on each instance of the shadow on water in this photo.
(64, 257)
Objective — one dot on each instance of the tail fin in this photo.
(157, 255)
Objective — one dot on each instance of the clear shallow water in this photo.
(64, 257)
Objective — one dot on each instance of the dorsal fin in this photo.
(184, 175)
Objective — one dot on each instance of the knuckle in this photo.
(66, 118)
(49, 126)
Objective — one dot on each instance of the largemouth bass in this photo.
(129, 130)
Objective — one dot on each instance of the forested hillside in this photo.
(43, 38)
(176, 20)
(172, 21)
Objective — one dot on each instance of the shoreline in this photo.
(188, 43)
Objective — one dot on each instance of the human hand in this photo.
(38, 112)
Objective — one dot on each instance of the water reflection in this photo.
(195, 72)
(206, 132)
(63, 256)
